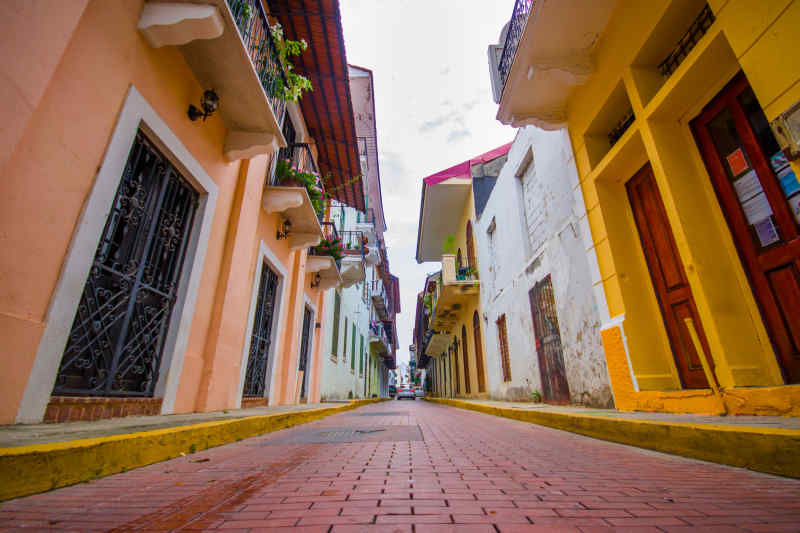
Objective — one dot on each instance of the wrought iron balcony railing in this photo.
(299, 157)
(330, 237)
(354, 243)
(255, 32)
(516, 27)
(687, 42)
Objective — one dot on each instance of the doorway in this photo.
(668, 276)
(760, 198)
(305, 345)
(555, 388)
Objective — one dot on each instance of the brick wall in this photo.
(73, 409)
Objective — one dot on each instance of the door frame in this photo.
(136, 113)
(734, 219)
(265, 256)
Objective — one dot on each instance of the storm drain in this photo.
(339, 435)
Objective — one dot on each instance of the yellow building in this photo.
(692, 202)
(448, 328)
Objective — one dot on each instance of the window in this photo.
(353, 350)
(503, 338)
(337, 309)
(361, 357)
(344, 344)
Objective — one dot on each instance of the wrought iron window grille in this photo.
(687, 42)
(622, 126)
(255, 383)
(117, 338)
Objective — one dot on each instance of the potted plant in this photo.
(331, 247)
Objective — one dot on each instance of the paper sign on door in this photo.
(737, 162)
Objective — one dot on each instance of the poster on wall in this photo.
(766, 231)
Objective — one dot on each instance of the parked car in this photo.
(405, 391)
(392, 390)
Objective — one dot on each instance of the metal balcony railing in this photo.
(516, 27)
(354, 243)
(687, 42)
(299, 157)
(330, 235)
(380, 297)
(254, 29)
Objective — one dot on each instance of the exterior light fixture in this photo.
(317, 279)
(284, 230)
(210, 103)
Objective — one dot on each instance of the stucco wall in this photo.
(538, 231)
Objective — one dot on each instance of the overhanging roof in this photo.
(444, 195)
(328, 108)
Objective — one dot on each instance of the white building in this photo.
(536, 264)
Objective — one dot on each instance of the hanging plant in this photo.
(295, 83)
(288, 176)
(332, 247)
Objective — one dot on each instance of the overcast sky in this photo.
(433, 104)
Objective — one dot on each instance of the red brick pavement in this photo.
(473, 473)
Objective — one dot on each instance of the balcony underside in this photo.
(553, 57)
(295, 205)
(352, 270)
(207, 36)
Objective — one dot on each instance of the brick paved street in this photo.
(370, 470)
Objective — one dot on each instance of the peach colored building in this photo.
(153, 263)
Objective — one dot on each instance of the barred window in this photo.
(337, 309)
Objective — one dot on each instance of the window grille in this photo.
(337, 309)
(117, 338)
(344, 344)
(255, 381)
(353, 350)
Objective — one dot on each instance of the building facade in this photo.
(536, 278)
(158, 258)
(682, 117)
(360, 338)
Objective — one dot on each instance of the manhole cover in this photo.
(336, 435)
(385, 413)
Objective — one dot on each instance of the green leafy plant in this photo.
(287, 174)
(295, 83)
(449, 246)
(536, 396)
(332, 247)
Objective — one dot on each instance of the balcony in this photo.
(229, 47)
(367, 226)
(546, 52)
(322, 263)
(293, 199)
(449, 290)
(353, 256)
(379, 342)
(380, 298)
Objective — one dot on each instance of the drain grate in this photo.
(339, 435)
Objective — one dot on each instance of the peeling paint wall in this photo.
(539, 228)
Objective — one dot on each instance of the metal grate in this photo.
(548, 342)
(117, 337)
(687, 42)
(255, 383)
(516, 27)
(622, 126)
(305, 341)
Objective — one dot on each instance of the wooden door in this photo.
(668, 276)
(476, 332)
(555, 388)
(760, 196)
(465, 354)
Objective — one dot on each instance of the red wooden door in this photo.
(668, 276)
(760, 196)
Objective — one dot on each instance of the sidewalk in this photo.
(39, 457)
(763, 443)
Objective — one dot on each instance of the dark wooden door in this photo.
(555, 388)
(668, 276)
(760, 196)
(476, 332)
(465, 354)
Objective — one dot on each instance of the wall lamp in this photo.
(317, 280)
(284, 230)
(209, 103)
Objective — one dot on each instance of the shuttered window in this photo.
(505, 361)
(344, 344)
(361, 357)
(353, 350)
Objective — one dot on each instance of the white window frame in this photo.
(136, 113)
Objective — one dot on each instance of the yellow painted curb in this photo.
(770, 450)
(36, 468)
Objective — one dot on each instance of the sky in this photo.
(433, 106)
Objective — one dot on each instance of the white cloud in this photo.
(433, 105)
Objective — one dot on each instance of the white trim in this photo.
(310, 361)
(265, 255)
(136, 113)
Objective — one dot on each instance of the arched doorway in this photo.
(476, 330)
(465, 352)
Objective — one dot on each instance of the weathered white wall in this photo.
(337, 380)
(540, 229)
